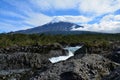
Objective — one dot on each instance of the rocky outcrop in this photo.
(114, 75)
(115, 56)
(80, 53)
(32, 63)
(29, 56)
(21, 60)
(32, 49)
(70, 76)
(16, 74)
(16, 62)
(90, 67)
(55, 53)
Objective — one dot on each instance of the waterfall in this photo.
(71, 51)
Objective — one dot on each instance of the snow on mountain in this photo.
(58, 19)
(58, 24)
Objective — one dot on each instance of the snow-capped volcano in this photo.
(56, 25)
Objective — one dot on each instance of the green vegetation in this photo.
(7, 40)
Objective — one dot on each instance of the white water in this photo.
(71, 51)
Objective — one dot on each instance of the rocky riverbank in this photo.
(88, 63)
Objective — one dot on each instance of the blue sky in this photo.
(94, 15)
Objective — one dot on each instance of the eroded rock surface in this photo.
(115, 56)
(32, 63)
(90, 67)
(114, 75)
(70, 76)
(21, 60)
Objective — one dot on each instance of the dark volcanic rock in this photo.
(32, 49)
(75, 44)
(114, 75)
(21, 60)
(70, 76)
(115, 56)
(64, 44)
(15, 61)
(90, 67)
(80, 53)
(55, 53)
(33, 56)
(32, 63)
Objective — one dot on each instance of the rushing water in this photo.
(71, 51)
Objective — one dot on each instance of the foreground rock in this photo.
(21, 65)
(21, 60)
(32, 63)
(15, 74)
(115, 56)
(114, 75)
(43, 49)
(90, 67)
(70, 76)
(29, 57)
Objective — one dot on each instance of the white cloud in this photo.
(99, 7)
(31, 17)
(109, 24)
(66, 4)
(95, 7)
(73, 19)
(111, 17)
(37, 19)
(55, 4)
